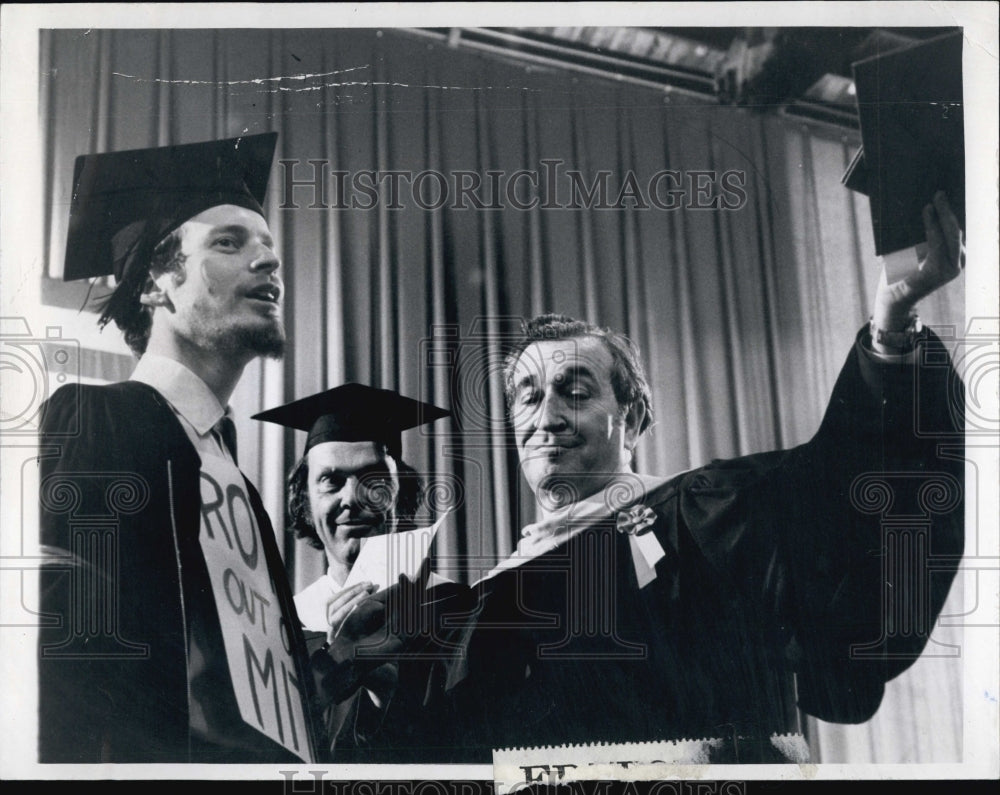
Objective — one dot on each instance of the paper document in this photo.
(383, 558)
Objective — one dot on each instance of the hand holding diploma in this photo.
(343, 604)
(895, 301)
(387, 565)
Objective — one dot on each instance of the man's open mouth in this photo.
(271, 293)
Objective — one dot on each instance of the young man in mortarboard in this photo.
(352, 483)
(178, 640)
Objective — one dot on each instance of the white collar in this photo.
(623, 492)
(185, 391)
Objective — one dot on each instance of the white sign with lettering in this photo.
(258, 644)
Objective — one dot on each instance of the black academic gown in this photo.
(414, 722)
(780, 590)
(120, 509)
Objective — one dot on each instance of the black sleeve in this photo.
(76, 703)
(111, 677)
(872, 556)
(848, 545)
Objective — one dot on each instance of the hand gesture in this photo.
(343, 604)
(357, 618)
(944, 261)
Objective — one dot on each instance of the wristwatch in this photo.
(904, 340)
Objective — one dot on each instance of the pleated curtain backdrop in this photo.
(744, 316)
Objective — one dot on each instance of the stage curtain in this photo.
(744, 315)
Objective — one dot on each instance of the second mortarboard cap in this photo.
(124, 203)
(354, 413)
(911, 113)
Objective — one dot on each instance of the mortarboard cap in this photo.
(354, 413)
(124, 203)
(912, 133)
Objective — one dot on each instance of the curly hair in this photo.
(628, 377)
(123, 306)
(408, 501)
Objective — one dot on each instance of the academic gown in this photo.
(120, 518)
(780, 588)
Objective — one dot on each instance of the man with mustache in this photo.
(177, 640)
(351, 483)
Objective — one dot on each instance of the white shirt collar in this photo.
(625, 491)
(186, 392)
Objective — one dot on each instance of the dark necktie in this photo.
(226, 430)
